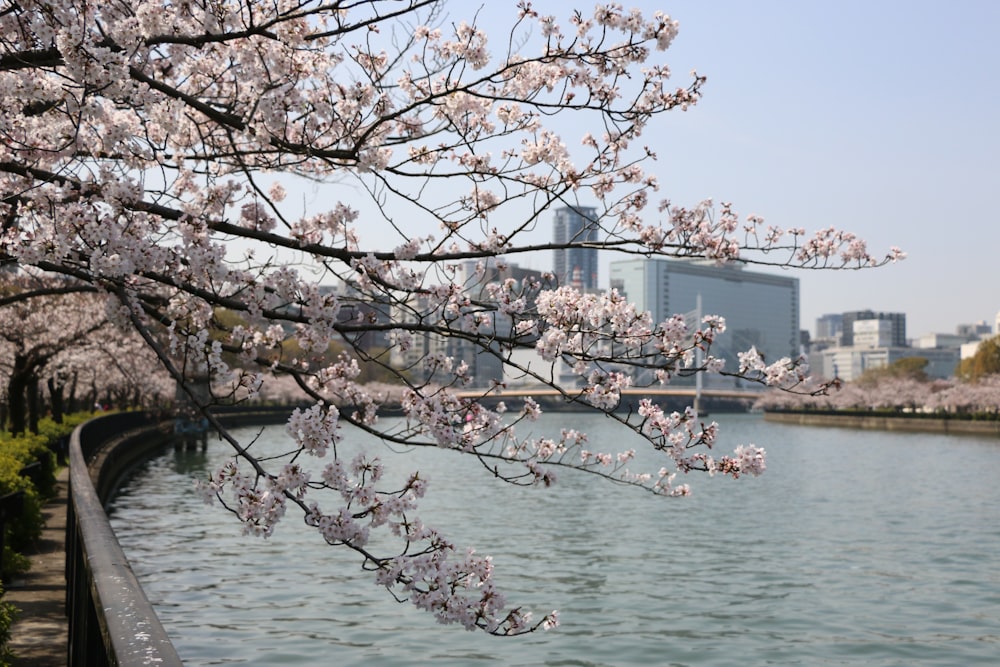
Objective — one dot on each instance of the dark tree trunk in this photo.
(71, 403)
(18, 411)
(56, 390)
(34, 404)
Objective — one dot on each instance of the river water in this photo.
(854, 548)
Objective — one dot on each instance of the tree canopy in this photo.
(147, 151)
(911, 368)
(985, 362)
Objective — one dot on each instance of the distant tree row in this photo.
(59, 353)
(904, 385)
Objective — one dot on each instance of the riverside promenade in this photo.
(39, 638)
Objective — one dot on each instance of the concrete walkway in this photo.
(39, 638)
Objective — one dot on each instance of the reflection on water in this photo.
(857, 548)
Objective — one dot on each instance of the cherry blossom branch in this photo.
(145, 151)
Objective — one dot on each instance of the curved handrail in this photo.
(111, 620)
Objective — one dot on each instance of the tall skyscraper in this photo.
(576, 266)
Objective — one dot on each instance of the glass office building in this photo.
(761, 309)
(576, 266)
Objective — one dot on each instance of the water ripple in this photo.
(854, 549)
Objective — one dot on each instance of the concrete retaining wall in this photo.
(878, 422)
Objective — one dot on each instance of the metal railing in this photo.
(111, 621)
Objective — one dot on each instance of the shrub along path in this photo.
(40, 636)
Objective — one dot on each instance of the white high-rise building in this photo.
(872, 333)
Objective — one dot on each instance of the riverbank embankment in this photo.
(901, 422)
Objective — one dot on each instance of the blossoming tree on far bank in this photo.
(148, 150)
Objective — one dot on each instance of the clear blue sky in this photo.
(881, 118)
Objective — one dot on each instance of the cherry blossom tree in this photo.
(38, 325)
(148, 150)
(117, 368)
(55, 335)
(889, 392)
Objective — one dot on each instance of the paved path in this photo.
(39, 638)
